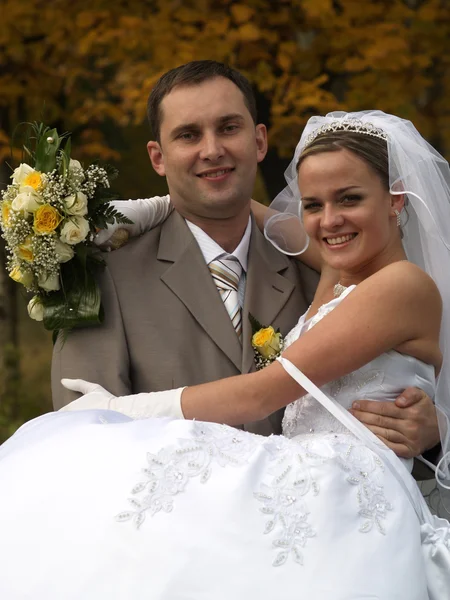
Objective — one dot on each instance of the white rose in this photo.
(63, 252)
(27, 201)
(74, 165)
(36, 309)
(76, 204)
(19, 174)
(49, 283)
(74, 230)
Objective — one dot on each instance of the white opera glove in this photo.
(146, 213)
(136, 406)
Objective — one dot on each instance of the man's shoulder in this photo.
(137, 251)
(145, 246)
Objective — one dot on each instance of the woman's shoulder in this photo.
(405, 282)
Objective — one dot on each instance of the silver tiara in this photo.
(355, 125)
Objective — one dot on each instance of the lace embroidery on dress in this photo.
(292, 479)
(169, 471)
(306, 415)
(285, 485)
(282, 500)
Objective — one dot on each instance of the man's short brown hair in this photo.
(194, 73)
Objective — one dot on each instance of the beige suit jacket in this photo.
(166, 325)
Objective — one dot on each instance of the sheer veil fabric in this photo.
(417, 170)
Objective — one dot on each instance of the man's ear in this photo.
(156, 157)
(261, 142)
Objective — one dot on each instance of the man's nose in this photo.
(212, 147)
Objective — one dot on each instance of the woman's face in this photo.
(347, 212)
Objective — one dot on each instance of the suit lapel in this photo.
(266, 291)
(189, 279)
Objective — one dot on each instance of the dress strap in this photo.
(388, 457)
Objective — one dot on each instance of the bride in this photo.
(96, 504)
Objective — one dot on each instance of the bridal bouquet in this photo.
(49, 215)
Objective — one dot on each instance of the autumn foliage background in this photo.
(88, 67)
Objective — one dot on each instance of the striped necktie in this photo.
(226, 272)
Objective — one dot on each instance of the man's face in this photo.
(209, 149)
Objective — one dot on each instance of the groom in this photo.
(167, 320)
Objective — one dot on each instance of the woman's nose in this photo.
(331, 217)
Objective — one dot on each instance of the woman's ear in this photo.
(397, 202)
(398, 197)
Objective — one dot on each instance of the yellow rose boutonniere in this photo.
(267, 343)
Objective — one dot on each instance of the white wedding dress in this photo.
(96, 506)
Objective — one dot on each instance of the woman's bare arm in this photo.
(397, 308)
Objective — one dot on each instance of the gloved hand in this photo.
(146, 213)
(136, 406)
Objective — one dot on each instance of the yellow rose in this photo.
(46, 219)
(25, 278)
(6, 212)
(267, 342)
(25, 250)
(33, 180)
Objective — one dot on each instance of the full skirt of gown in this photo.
(94, 505)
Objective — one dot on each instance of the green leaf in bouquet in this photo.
(78, 302)
(47, 148)
(65, 158)
(76, 308)
(111, 171)
(89, 259)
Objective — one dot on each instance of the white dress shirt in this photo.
(211, 251)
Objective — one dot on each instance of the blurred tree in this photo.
(93, 63)
(88, 67)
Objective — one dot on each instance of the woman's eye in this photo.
(311, 206)
(351, 198)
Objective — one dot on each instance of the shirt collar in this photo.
(211, 249)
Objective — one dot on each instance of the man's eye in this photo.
(187, 136)
(230, 128)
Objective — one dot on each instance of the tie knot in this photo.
(226, 272)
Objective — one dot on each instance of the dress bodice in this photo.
(383, 378)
